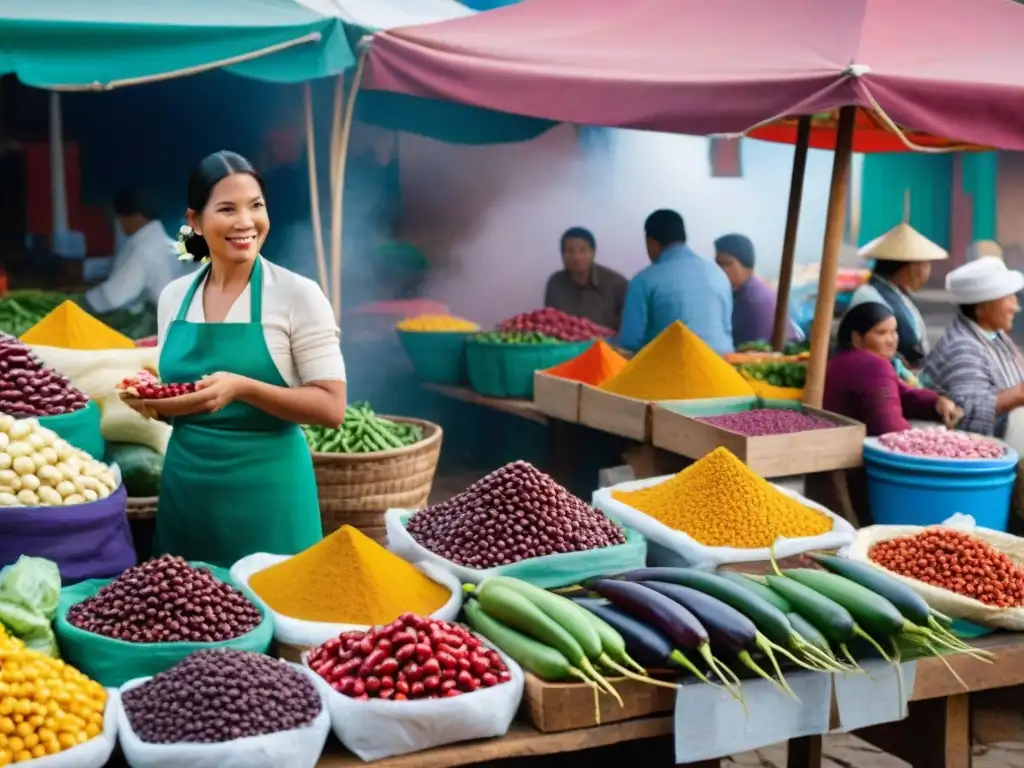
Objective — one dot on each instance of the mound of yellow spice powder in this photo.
(347, 578)
(71, 327)
(46, 706)
(719, 502)
(677, 365)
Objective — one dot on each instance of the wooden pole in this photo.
(796, 194)
(835, 221)
(314, 190)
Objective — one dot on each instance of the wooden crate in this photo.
(557, 397)
(674, 427)
(554, 707)
(617, 415)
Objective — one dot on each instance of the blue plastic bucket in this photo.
(919, 490)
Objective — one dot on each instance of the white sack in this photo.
(377, 728)
(96, 752)
(669, 547)
(297, 748)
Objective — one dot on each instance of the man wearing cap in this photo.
(903, 263)
(677, 285)
(753, 300)
(975, 363)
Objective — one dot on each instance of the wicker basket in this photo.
(142, 507)
(358, 488)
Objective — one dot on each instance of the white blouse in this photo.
(298, 323)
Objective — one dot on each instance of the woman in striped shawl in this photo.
(976, 362)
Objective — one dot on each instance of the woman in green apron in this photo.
(264, 346)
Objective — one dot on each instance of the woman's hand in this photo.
(948, 411)
(142, 408)
(218, 390)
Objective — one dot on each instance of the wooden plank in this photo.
(934, 681)
(521, 741)
(557, 397)
(554, 707)
(623, 416)
(525, 409)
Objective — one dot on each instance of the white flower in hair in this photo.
(184, 232)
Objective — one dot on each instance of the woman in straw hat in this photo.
(903, 263)
(976, 362)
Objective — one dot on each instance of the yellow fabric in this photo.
(677, 365)
(71, 327)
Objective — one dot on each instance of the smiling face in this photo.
(881, 340)
(234, 222)
(998, 315)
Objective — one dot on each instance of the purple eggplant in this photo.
(725, 625)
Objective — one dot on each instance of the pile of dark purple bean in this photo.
(166, 600)
(220, 695)
(28, 388)
(767, 421)
(514, 513)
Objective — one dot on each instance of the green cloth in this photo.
(81, 428)
(237, 481)
(57, 43)
(112, 663)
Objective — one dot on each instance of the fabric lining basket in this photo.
(357, 488)
(80, 428)
(506, 370)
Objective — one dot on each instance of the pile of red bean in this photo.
(514, 513)
(956, 561)
(219, 695)
(940, 443)
(28, 388)
(767, 421)
(552, 322)
(411, 658)
(149, 387)
(166, 600)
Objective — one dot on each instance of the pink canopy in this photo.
(948, 68)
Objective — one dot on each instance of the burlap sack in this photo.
(947, 602)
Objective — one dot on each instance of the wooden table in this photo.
(524, 409)
(935, 735)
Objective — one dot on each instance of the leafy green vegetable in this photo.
(363, 431)
(32, 583)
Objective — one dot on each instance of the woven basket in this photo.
(358, 488)
(142, 507)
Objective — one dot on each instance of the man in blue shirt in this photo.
(678, 285)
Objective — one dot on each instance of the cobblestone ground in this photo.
(850, 752)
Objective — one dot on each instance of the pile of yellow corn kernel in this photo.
(448, 323)
(46, 706)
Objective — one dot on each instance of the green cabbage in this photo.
(32, 583)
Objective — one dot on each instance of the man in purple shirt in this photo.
(753, 300)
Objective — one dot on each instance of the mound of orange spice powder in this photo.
(594, 366)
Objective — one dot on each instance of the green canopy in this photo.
(82, 44)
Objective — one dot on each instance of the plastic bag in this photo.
(943, 600)
(310, 633)
(113, 662)
(33, 583)
(297, 748)
(547, 572)
(96, 752)
(376, 729)
(669, 547)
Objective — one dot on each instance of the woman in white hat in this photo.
(903, 263)
(976, 362)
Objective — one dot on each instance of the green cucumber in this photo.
(758, 589)
(542, 660)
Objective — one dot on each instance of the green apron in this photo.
(237, 481)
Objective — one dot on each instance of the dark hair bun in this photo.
(196, 245)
